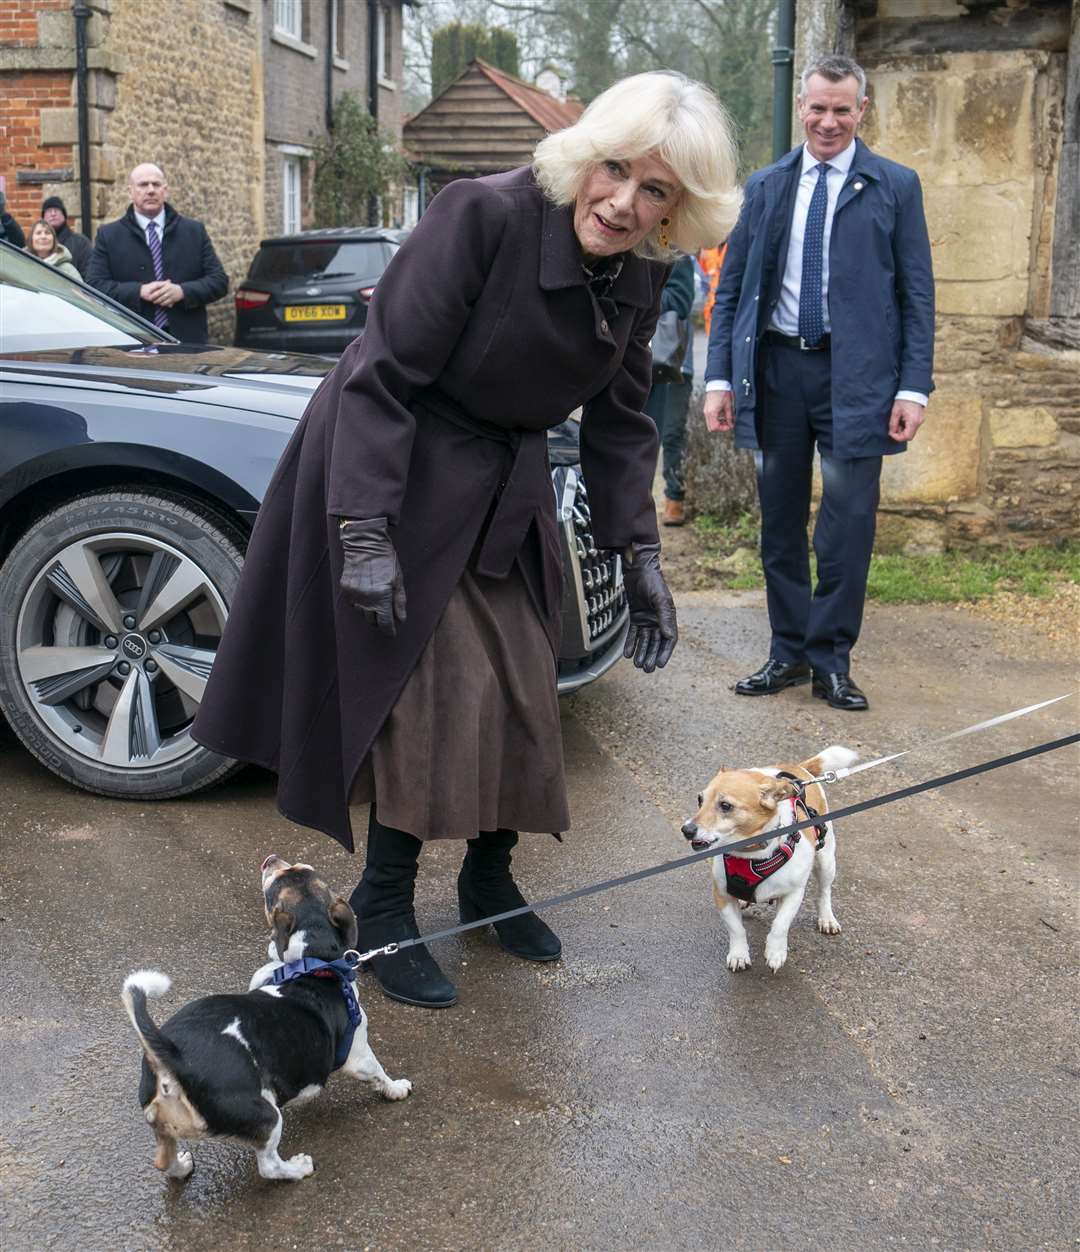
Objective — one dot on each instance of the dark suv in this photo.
(310, 292)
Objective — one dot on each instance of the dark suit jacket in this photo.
(881, 296)
(121, 264)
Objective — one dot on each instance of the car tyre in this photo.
(111, 607)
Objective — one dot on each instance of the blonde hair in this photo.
(664, 114)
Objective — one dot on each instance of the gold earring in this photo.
(662, 237)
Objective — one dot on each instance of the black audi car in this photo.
(310, 292)
(131, 470)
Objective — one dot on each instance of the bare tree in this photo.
(724, 43)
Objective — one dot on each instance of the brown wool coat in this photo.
(483, 315)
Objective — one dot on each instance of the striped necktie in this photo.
(161, 316)
(811, 310)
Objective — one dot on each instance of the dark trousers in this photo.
(819, 626)
(667, 405)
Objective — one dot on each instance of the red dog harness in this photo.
(744, 875)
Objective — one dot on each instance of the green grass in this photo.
(945, 578)
(952, 576)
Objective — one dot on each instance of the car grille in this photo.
(594, 605)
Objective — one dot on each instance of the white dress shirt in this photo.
(785, 317)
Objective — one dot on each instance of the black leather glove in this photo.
(371, 576)
(653, 629)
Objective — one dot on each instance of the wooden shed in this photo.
(484, 122)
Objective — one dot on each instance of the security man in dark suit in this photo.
(822, 333)
(158, 263)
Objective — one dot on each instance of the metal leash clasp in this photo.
(358, 958)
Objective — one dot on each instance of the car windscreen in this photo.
(321, 258)
(42, 309)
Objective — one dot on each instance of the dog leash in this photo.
(831, 776)
(728, 848)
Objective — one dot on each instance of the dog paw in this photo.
(297, 1167)
(182, 1166)
(828, 925)
(775, 957)
(738, 959)
(397, 1088)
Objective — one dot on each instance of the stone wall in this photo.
(189, 98)
(973, 98)
(999, 457)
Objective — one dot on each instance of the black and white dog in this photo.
(225, 1064)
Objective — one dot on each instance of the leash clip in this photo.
(363, 957)
(830, 776)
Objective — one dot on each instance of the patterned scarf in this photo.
(600, 278)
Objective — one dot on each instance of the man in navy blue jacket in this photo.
(822, 333)
(158, 263)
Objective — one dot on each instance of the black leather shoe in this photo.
(486, 887)
(412, 976)
(840, 691)
(773, 676)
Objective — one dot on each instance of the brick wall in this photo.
(19, 20)
(24, 92)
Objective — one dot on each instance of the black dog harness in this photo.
(745, 875)
(820, 829)
(345, 972)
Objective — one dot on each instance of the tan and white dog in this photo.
(741, 803)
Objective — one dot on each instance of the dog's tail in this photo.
(834, 757)
(161, 1053)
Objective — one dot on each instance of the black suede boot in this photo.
(383, 904)
(485, 887)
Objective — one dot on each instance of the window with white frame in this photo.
(410, 207)
(292, 179)
(385, 45)
(289, 18)
(337, 26)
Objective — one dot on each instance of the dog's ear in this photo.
(282, 924)
(775, 790)
(344, 920)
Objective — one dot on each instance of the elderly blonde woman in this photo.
(46, 247)
(393, 641)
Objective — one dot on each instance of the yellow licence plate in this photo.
(315, 313)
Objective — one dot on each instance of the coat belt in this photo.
(523, 493)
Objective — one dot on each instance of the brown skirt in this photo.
(473, 742)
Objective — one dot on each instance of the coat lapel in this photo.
(865, 169)
(780, 189)
(560, 261)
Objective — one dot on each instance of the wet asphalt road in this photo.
(910, 1083)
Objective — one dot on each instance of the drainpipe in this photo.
(330, 15)
(373, 88)
(81, 11)
(373, 58)
(783, 59)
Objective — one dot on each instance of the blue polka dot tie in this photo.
(161, 316)
(811, 312)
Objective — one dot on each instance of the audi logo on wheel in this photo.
(134, 646)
